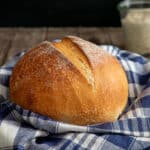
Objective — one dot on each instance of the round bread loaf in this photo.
(71, 80)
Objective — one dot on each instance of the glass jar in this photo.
(135, 19)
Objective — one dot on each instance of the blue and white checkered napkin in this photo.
(22, 129)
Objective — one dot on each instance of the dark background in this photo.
(59, 13)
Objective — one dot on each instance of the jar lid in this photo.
(134, 4)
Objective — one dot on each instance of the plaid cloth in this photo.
(22, 129)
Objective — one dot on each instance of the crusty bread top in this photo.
(90, 50)
(84, 55)
(76, 56)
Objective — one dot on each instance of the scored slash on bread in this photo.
(77, 57)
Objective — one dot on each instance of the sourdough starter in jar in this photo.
(136, 26)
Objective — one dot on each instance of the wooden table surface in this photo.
(13, 40)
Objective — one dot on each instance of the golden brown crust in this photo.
(90, 50)
(48, 82)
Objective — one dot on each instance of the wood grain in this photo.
(95, 35)
(115, 36)
(6, 37)
(25, 39)
(56, 33)
(13, 40)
